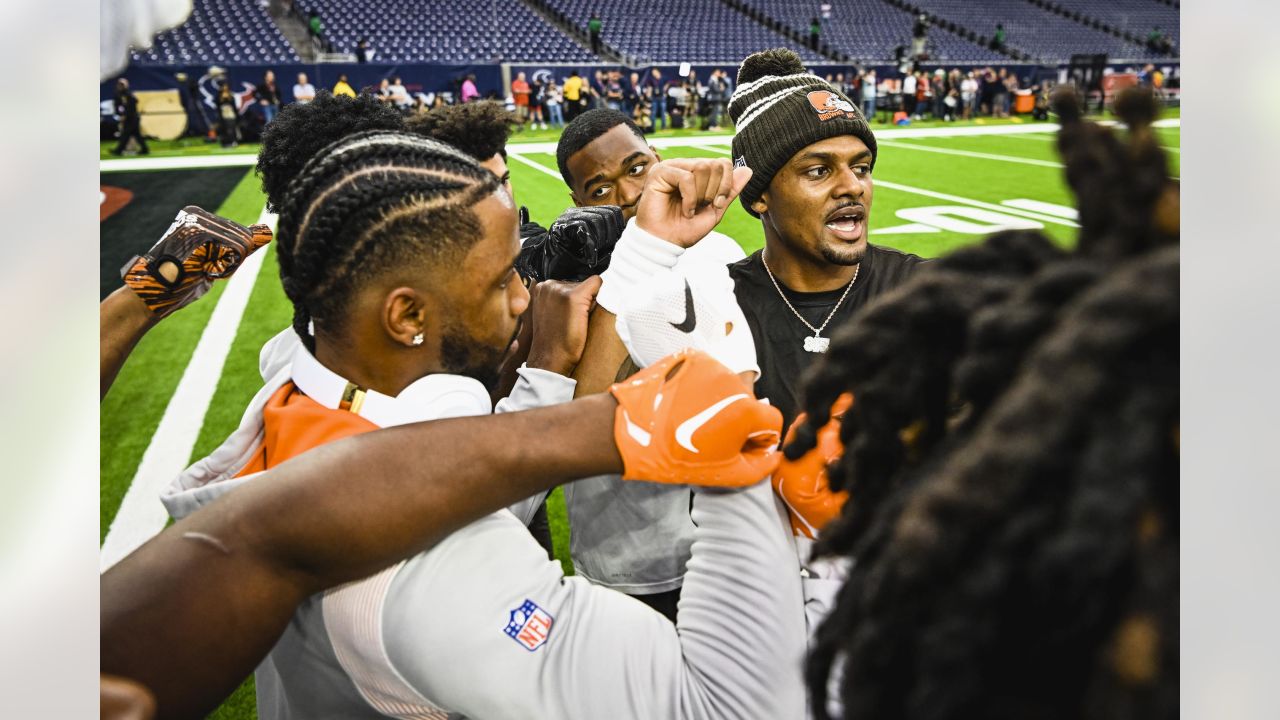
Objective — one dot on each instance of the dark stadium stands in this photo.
(678, 30)
(221, 31)
(872, 30)
(669, 31)
(445, 31)
(1036, 31)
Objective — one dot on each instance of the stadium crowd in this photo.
(828, 479)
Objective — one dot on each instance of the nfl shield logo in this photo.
(529, 625)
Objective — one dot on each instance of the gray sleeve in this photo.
(535, 388)
(485, 626)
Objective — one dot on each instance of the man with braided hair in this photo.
(482, 625)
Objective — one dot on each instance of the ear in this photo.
(573, 198)
(404, 315)
(761, 206)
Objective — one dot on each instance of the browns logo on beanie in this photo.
(780, 108)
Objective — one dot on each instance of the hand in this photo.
(684, 199)
(559, 312)
(577, 246)
(198, 248)
(690, 420)
(802, 483)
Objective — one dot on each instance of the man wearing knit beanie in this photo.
(811, 153)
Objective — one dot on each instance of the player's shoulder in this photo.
(893, 257)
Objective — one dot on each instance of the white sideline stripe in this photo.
(882, 183)
(176, 163)
(970, 153)
(141, 515)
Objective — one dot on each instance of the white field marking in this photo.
(141, 515)
(177, 163)
(880, 183)
(969, 153)
(1044, 208)
(975, 203)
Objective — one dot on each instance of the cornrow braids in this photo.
(303, 129)
(1032, 570)
(897, 359)
(367, 204)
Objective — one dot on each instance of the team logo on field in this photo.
(829, 105)
(529, 625)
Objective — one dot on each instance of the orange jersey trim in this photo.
(294, 423)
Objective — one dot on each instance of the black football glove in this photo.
(577, 246)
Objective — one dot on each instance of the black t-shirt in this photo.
(779, 335)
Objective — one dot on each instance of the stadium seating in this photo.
(872, 30)
(1044, 35)
(445, 31)
(1134, 16)
(221, 31)
(678, 30)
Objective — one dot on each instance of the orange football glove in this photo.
(687, 419)
(198, 248)
(802, 483)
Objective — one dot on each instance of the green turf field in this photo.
(932, 194)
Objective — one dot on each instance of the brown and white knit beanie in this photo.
(778, 109)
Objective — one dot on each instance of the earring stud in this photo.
(417, 339)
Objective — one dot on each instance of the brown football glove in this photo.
(198, 248)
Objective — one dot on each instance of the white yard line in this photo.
(881, 183)
(971, 154)
(141, 515)
(177, 163)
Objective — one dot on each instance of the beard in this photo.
(843, 255)
(461, 354)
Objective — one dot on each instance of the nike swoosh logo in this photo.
(690, 319)
(684, 433)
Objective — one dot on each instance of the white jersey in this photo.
(484, 626)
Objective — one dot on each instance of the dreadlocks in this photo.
(1034, 572)
(1010, 456)
(368, 204)
(302, 129)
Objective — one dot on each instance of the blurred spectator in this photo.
(268, 97)
(919, 36)
(469, 91)
(815, 28)
(383, 93)
(909, 83)
(537, 99)
(315, 27)
(997, 40)
(940, 92)
(1000, 106)
(130, 119)
(228, 116)
(969, 95)
(421, 105)
(869, 95)
(692, 94)
(1010, 91)
(398, 94)
(342, 87)
(573, 100)
(593, 27)
(987, 91)
(554, 102)
(363, 53)
(717, 97)
(520, 94)
(631, 93)
(656, 91)
(675, 104)
(1157, 41)
(613, 91)
(303, 91)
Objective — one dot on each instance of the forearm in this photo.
(603, 355)
(123, 320)
(169, 612)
